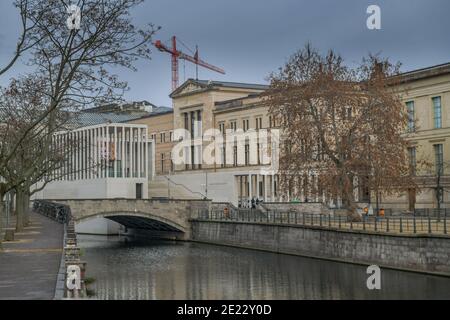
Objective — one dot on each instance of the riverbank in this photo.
(30, 264)
(428, 254)
(128, 268)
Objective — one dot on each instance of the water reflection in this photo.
(173, 270)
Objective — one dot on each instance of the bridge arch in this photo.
(156, 214)
(136, 220)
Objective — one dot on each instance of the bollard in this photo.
(387, 224)
(401, 225)
(364, 223)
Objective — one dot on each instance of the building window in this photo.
(162, 162)
(412, 160)
(224, 157)
(272, 122)
(222, 127)
(439, 158)
(186, 121)
(192, 124)
(171, 136)
(199, 124)
(163, 137)
(258, 123)
(349, 113)
(411, 116)
(247, 154)
(437, 112)
(245, 124)
(235, 157)
(154, 137)
(233, 125)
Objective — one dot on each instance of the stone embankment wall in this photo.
(423, 253)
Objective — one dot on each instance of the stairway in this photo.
(163, 187)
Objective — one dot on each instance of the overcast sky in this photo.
(251, 38)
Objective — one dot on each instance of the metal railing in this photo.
(389, 224)
(55, 211)
(428, 212)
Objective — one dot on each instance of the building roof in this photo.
(123, 107)
(204, 85)
(235, 103)
(158, 112)
(85, 119)
(423, 73)
(234, 84)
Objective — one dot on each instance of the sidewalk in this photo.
(29, 265)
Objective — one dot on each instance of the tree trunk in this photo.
(12, 195)
(26, 207)
(438, 195)
(2, 212)
(349, 201)
(378, 203)
(19, 210)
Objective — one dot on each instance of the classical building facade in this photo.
(202, 105)
(426, 94)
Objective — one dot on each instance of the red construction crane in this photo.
(177, 54)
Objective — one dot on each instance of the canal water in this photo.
(154, 269)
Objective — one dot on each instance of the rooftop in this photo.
(210, 84)
(423, 73)
(86, 119)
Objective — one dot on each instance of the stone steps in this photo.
(159, 188)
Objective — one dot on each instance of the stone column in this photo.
(145, 150)
(131, 153)
(257, 186)
(272, 188)
(139, 145)
(122, 160)
(108, 140)
(265, 187)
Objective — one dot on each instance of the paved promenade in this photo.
(29, 265)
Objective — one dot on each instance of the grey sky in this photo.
(251, 38)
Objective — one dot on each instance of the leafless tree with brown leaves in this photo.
(342, 125)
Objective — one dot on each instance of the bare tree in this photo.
(71, 71)
(75, 62)
(343, 125)
(36, 157)
(24, 43)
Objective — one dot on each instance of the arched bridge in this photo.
(153, 214)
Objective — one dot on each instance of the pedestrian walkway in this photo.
(29, 265)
